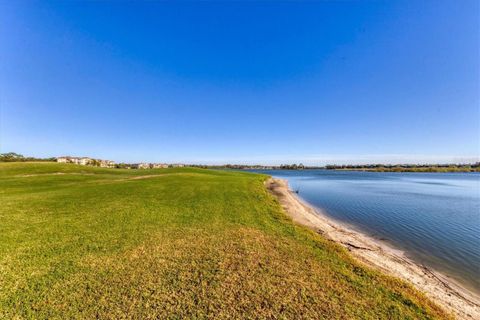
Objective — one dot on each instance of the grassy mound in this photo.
(84, 242)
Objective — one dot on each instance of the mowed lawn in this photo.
(84, 242)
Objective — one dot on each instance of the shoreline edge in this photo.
(463, 303)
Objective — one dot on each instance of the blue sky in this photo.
(241, 82)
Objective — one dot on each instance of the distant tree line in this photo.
(292, 166)
(255, 167)
(123, 166)
(15, 157)
(230, 166)
(409, 167)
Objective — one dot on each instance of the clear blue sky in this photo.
(256, 82)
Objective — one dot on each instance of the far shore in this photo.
(416, 170)
(447, 293)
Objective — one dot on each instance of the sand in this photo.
(441, 289)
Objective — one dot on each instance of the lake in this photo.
(433, 217)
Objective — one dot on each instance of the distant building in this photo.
(177, 165)
(62, 159)
(143, 166)
(159, 165)
(68, 159)
(86, 161)
(107, 163)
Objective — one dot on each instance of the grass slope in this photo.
(84, 242)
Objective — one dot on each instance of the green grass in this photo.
(84, 242)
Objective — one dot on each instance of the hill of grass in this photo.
(85, 242)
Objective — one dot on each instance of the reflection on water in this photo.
(434, 217)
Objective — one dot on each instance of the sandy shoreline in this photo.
(444, 291)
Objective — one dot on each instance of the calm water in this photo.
(433, 217)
